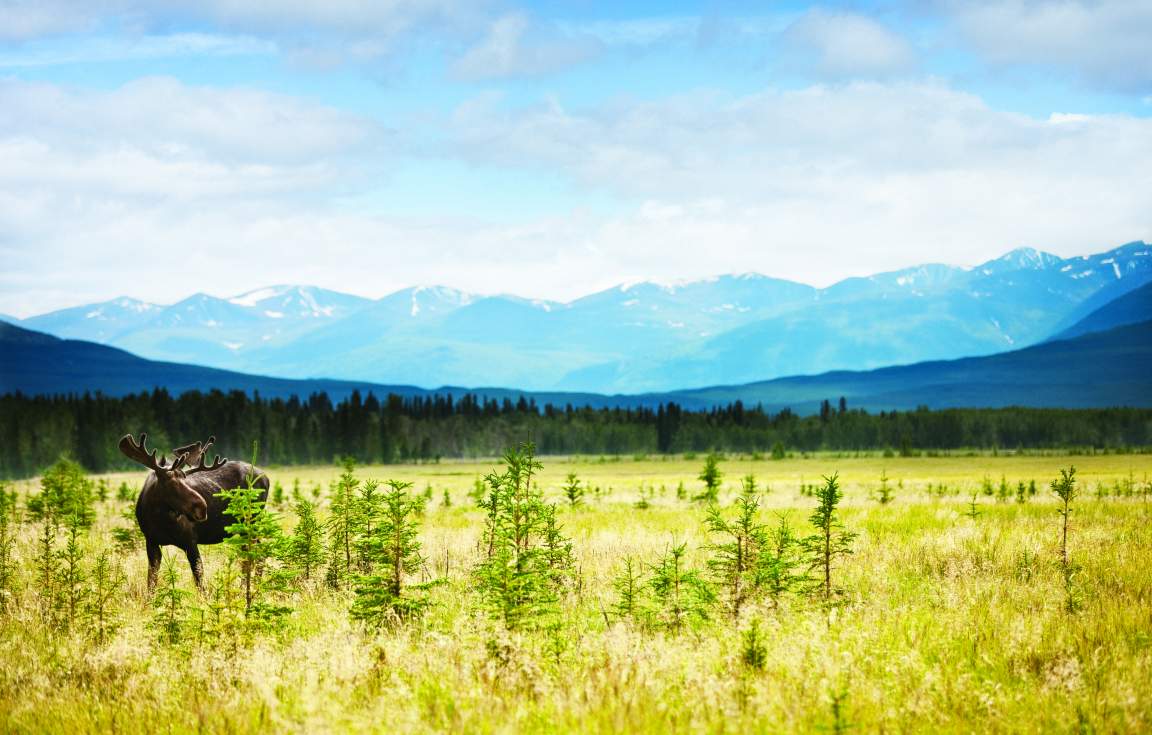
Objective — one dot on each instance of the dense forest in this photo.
(35, 431)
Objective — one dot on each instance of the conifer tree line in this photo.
(35, 431)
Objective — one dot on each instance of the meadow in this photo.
(951, 610)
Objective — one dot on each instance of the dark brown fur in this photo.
(183, 508)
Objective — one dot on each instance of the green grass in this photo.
(949, 624)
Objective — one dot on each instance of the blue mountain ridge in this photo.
(635, 338)
(1095, 369)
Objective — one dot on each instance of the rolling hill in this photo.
(1131, 308)
(1098, 369)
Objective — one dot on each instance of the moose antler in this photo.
(194, 450)
(139, 453)
(216, 463)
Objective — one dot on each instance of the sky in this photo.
(160, 148)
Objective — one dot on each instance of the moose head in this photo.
(171, 480)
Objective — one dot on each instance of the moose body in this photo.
(183, 508)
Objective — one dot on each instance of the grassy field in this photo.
(950, 620)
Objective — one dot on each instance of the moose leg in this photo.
(197, 565)
(154, 557)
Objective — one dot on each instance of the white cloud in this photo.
(102, 191)
(514, 47)
(1104, 42)
(99, 49)
(837, 45)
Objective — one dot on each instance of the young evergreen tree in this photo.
(557, 550)
(740, 541)
(66, 496)
(254, 540)
(169, 606)
(884, 492)
(304, 548)
(72, 584)
(343, 521)
(1065, 489)
(573, 490)
(629, 587)
(107, 582)
(682, 596)
(711, 476)
(780, 561)
(7, 549)
(830, 540)
(366, 512)
(516, 580)
(47, 570)
(394, 554)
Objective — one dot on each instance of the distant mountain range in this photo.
(633, 339)
(1108, 362)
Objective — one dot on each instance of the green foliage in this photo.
(884, 492)
(106, 585)
(735, 562)
(342, 525)
(778, 451)
(66, 496)
(973, 507)
(753, 652)
(573, 490)
(303, 550)
(72, 582)
(366, 509)
(8, 530)
(46, 565)
(255, 540)
(682, 596)
(170, 606)
(780, 561)
(393, 552)
(1065, 489)
(830, 540)
(629, 588)
(711, 476)
(518, 581)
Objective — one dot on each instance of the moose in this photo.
(180, 503)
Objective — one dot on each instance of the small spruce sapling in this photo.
(573, 490)
(884, 492)
(1065, 488)
(394, 552)
(254, 540)
(170, 616)
(629, 587)
(780, 561)
(711, 476)
(682, 596)
(342, 524)
(7, 549)
(516, 581)
(304, 549)
(73, 578)
(753, 651)
(107, 581)
(830, 540)
(735, 560)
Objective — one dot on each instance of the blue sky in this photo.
(156, 149)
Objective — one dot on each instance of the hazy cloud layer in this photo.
(515, 47)
(813, 184)
(846, 46)
(1103, 42)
